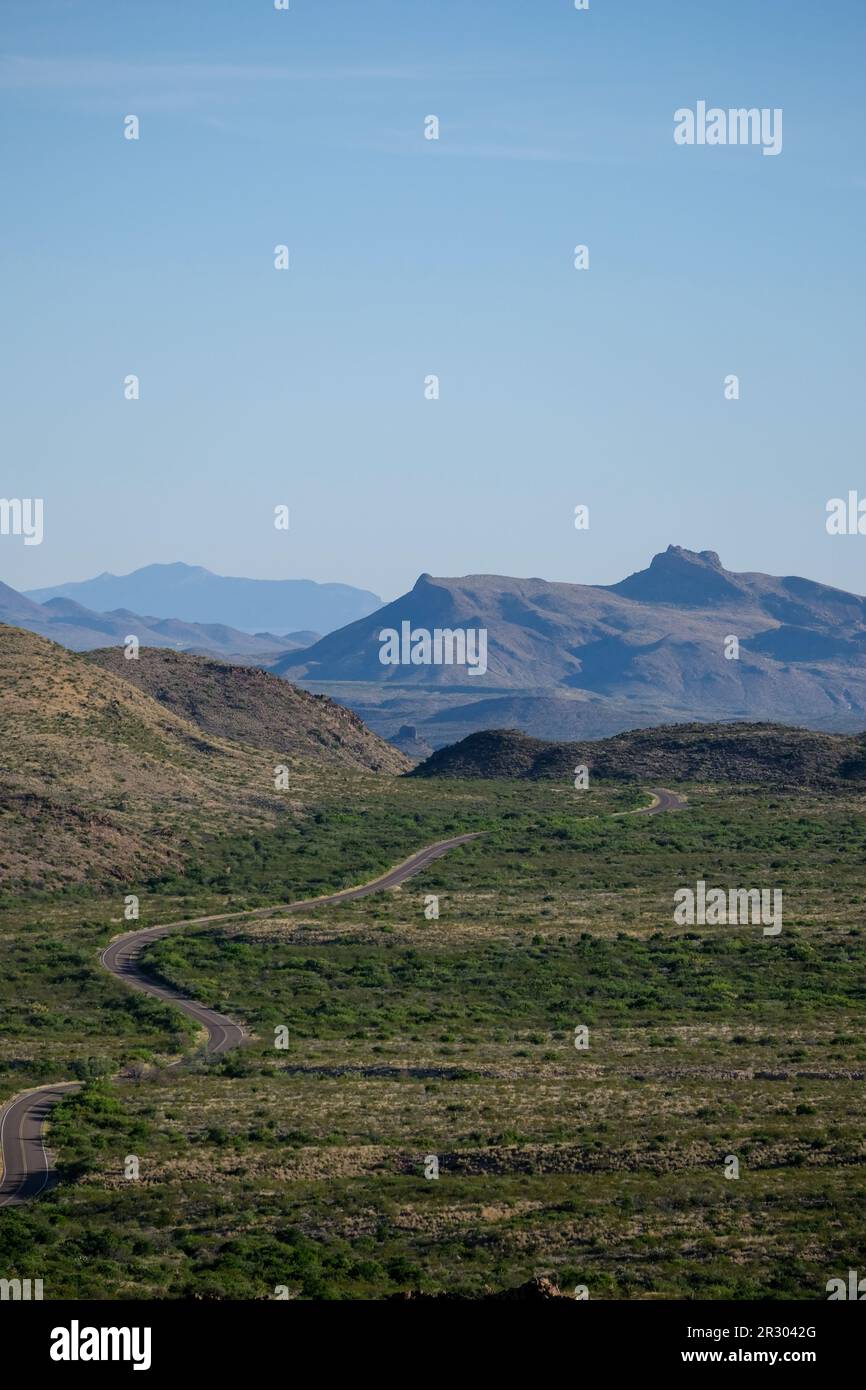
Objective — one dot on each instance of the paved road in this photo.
(26, 1171)
(121, 957)
(413, 865)
(664, 800)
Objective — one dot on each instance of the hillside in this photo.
(652, 646)
(101, 783)
(249, 706)
(742, 753)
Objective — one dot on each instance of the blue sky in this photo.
(411, 257)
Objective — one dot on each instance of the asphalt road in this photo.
(121, 958)
(26, 1169)
(664, 801)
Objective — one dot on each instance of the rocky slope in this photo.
(102, 783)
(249, 706)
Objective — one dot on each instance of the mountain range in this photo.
(195, 595)
(579, 660)
(564, 661)
(69, 623)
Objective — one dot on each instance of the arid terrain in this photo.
(383, 1036)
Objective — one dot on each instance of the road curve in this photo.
(663, 800)
(121, 956)
(26, 1169)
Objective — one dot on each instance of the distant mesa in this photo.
(415, 747)
(682, 577)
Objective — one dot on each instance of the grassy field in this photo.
(409, 1038)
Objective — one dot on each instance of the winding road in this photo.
(121, 957)
(26, 1167)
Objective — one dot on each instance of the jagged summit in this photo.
(677, 575)
(680, 552)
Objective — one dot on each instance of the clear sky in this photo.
(410, 257)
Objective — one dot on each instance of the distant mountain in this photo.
(571, 715)
(14, 607)
(65, 621)
(305, 638)
(748, 754)
(195, 595)
(249, 706)
(648, 650)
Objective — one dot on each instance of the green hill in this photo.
(746, 753)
